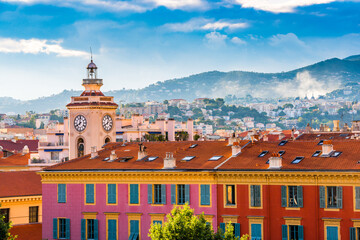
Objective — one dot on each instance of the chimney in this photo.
(265, 138)
(94, 153)
(327, 147)
(275, 161)
(281, 135)
(236, 149)
(169, 161)
(142, 152)
(25, 150)
(113, 156)
(308, 128)
(336, 125)
(232, 139)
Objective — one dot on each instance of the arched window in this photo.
(107, 140)
(80, 147)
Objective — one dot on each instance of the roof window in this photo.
(321, 142)
(124, 159)
(263, 153)
(336, 154)
(105, 159)
(193, 146)
(188, 158)
(215, 158)
(344, 135)
(150, 159)
(282, 152)
(297, 160)
(282, 143)
(318, 135)
(316, 154)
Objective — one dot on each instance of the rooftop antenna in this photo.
(91, 54)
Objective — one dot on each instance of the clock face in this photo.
(107, 123)
(80, 123)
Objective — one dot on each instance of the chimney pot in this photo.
(275, 161)
(113, 156)
(94, 153)
(236, 149)
(169, 161)
(327, 148)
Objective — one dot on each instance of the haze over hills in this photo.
(322, 78)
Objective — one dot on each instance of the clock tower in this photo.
(91, 117)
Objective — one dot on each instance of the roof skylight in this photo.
(336, 154)
(316, 153)
(297, 160)
(282, 143)
(193, 146)
(263, 153)
(105, 159)
(150, 159)
(282, 152)
(188, 158)
(215, 158)
(321, 142)
(124, 159)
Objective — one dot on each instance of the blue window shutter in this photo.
(300, 196)
(55, 228)
(301, 232)
(352, 233)
(112, 229)
(258, 195)
(150, 194)
(202, 194)
(222, 227)
(256, 231)
(284, 232)
(322, 196)
(252, 199)
(131, 236)
(111, 193)
(187, 193)
(339, 197)
(67, 225)
(237, 229)
(207, 194)
(62, 193)
(90, 193)
(83, 229)
(96, 229)
(134, 193)
(173, 194)
(163, 193)
(283, 196)
(357, 197)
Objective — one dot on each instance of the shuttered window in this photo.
(134, 193)
(256, 231)
(90, 192)
(291, 196)
(111, 193)
(292, 232)
(89, 229)
(61, 193)
(61, 228)
(157, 193)
(357, 197)
(112, 229)
(205, 194)
(255, 195)
(134, 230)
(330, 197)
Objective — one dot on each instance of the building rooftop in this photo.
(16, 146)
(21, 183)
(27, 231)
(18, 159)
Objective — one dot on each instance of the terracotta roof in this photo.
(249, 160)
(325, 136)
(21, 183)
(92, 93)
(17, 159)
(27, 231)
(202, 152)
(19, 145)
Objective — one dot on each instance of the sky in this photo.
(45, 44)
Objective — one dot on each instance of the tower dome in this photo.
(91, 65)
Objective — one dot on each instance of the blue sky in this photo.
(44, 44)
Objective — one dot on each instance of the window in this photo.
(204, 194)
(230, 195)
(292, 232)
(157, 222)
(263, 153)
(180, 193)
(332, 233)
(90, 193)
(134, 193)
(33, 214)
(61, 193)
(193, 146)
(61, 228)
(150, 159)
(316, 154)
(112, 229)
(6, 213)
(282, 152)
(236, 228)
(282, 143)
(188, 158)
(321, 142)
(215, 158)
(90, 226)
(111, 193)
(255, 195)
(134, 230)
(336, 154)
(297, 160)
(256, 231)
(354, 233)
(357, 198)
(54, 156)
(291, 196)
(330, 197)
(157, 193)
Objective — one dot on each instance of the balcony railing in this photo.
(44, 162)
(52, 144)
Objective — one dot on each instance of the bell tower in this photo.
(91, 116)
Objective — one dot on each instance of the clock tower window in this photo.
(107, 140)
(80, 147)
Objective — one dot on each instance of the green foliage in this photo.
(42, 125)
(155, 137)
(196, 137)
(288, 105)
(60, 119)
(4, 230)
(181, 136)
(173, 110)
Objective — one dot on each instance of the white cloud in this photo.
(36, 46)
(278, 6)
(285, 40)
(196, 24)
(238, 41)
(215, 39)
(179, 4)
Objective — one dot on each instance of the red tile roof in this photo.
(17, 159)
(27, 231)
(19, 145)
(22, 183)
(325, 136)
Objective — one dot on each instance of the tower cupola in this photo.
(92, 82)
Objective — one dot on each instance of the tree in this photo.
(196, 137)
(42, 125)
(182, 224)
(4, 229)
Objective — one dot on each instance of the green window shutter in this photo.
(339, 197)
(301, 232)
(300, 196)
(163, 193)
(222, 227)
(237, 229)
(352, 233)
(322, 196)
(112, 229)
(112, 193)
(61, 193)
(283, 196)
(173, 194)
(150, 194)
(357, 197)
(134, 193)
(187, 193)
(83, 229)
(96, 229)
(89, 193)
(157, 222)
(67, 228)
(257, 201)
(284, 232)
(202, 194)
(252, 195)
(207, 195)
(55, 228)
